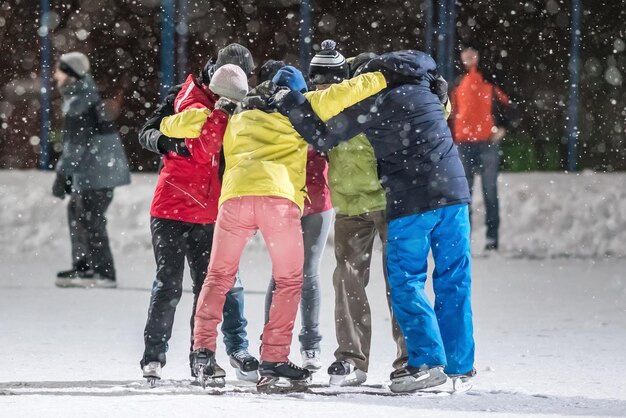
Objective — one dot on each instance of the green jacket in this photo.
(353, 178)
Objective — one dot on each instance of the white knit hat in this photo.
(75, 64)
(229, 81)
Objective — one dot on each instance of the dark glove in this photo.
(226, 105)
(439, 86)
(60, 186)
(291, 78)
(166, 144)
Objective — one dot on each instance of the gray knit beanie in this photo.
(74, 64)
(238, 55)
(229, 81)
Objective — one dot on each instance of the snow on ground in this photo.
(550, 332)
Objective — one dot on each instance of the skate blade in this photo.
(252, 376)
(215, 382)
(273, 385)
(355, 378)
(152, 381)
(461, 385)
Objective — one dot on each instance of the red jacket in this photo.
(189, 188)
(472, 107)
(316, 183)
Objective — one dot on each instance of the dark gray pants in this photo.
(315, 229)
(483, 158)
(173, 241)
(88, 233)
(354, 240)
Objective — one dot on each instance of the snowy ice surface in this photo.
(550, 330)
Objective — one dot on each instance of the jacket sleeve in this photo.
(209, 143)
(149, 134)
(186, 124)
(336, 114)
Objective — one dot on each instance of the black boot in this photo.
(207, 370)
(246, 366)
(282, 377)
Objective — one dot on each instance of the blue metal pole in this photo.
(442, 23)
(451, 39)
(306, 33)
(428, 26)
(44, 76)
(167, 46)
(572, 111)
(181, 50)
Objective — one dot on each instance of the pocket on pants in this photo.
(280, 213)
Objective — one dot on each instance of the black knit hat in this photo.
(328, 66)
(269, 69)
(238, 55)
(358, 61)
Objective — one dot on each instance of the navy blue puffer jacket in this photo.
(419, 165)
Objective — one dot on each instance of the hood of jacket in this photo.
(410, 64)
(193, 93)
(85, 86)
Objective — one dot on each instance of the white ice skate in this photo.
(311, 360)
(343, 373)
(411, 379)
(152, 372)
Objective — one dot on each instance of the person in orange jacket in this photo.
(477, 134)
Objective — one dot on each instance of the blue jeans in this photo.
(484, 158)
(442, 336)
(315, 229)
(173, 241)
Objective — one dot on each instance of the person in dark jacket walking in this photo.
(427, 209)
(93, 163)
(190, 233)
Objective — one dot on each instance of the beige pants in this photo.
(354, 239)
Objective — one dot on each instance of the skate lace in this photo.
(241, 355)
(293, 366)
(310, 354)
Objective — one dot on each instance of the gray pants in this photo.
(315, 229)
(88, 231)
(354, 239)
(483, 158)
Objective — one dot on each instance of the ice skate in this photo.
(282, 377)
(311, 360)
(411, 379)
(103, 282)
(246, 366)
(462, 382)
(206, 369)
(343, 373)
(75, 278)
(152, 372)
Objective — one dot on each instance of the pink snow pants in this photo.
(238, 219)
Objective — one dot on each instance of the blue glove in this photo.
(291, 78)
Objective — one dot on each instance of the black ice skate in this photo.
(246, 365)
(77, 277)
(463, 382)
(343, 373)
(411, 379)
(206, 369)
(152, 372)
(282, 377)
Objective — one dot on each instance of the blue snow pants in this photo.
(442, 336)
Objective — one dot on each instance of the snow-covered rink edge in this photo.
(550, 324)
